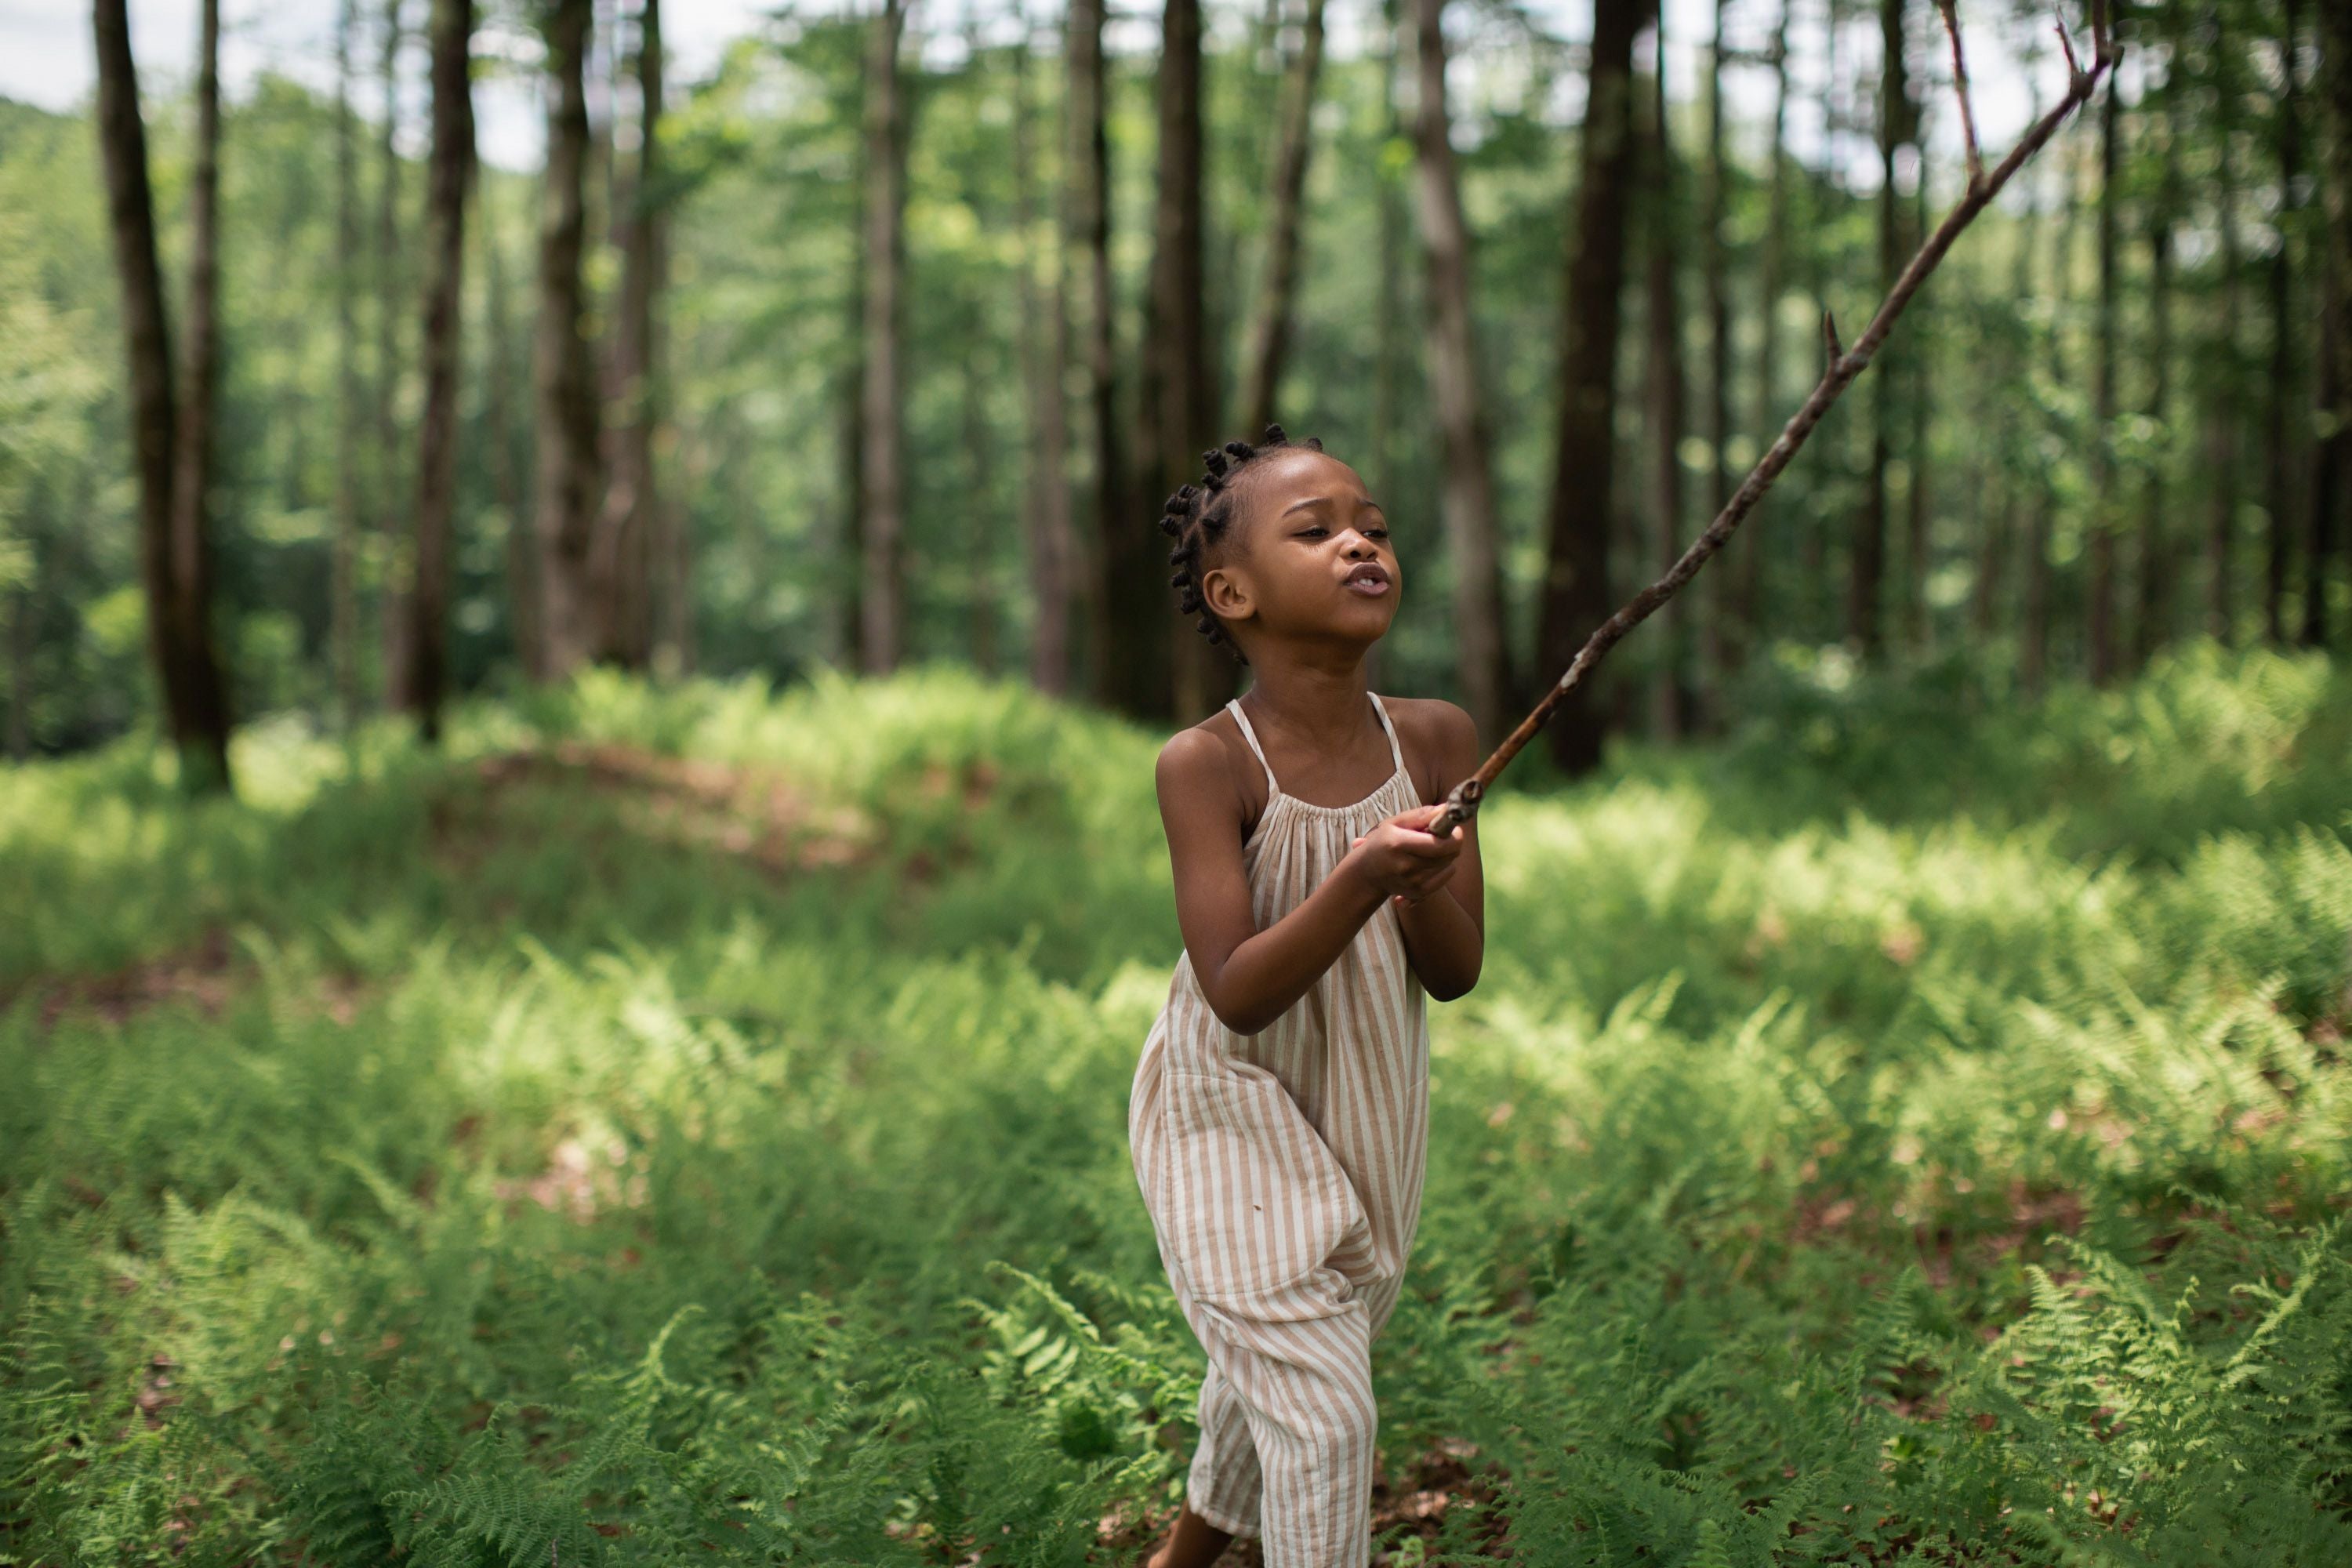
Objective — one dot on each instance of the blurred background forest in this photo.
(880, 336)
(633, 1069)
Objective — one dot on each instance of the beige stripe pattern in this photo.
(1282, 1173)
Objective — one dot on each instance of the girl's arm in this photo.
(1251, 978)
(1445, 931)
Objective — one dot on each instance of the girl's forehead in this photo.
(1294, 473)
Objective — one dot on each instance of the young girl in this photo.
(1280, 1109)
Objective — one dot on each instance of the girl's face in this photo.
(1311, 555)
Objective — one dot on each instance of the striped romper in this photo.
(1283, 1171)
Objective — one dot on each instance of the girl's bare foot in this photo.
(1193, 1543)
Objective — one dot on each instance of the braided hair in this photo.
(1198, 514)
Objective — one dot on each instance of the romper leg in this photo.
(1224, 1482)
(1302, 1373)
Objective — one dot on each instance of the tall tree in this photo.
(174, 548)
(621, 558)
(1719, 631)
(2099, 623)
(1165, 668)
(343, 606)
(1662, 361)
(2332, 482)
(1389, 218)
(506, 472)
(450, 39)
(391, 292)
(2224, 377)
(1046, 351)
(1866, 586)
(2279, 443)
(882, 629)
(1269, 328)
(1576, 583)
(1748, 569)
(1481, 653)
(2151, 620)
(562, 369)
(1114, 548)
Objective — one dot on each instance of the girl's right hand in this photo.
(1401, 858)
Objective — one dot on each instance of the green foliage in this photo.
(684, 1125)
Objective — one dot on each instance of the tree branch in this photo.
(1462, 801)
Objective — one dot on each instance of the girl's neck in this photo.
(1326, 707)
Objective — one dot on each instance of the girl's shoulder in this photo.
(1211, 761)
(1436, 737)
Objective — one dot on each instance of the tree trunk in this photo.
(343, 592)
(1483, 656)
(1045, 350)
(2225, 381)
(1999, 403)
(1576, 584)
(882, 625)
(2151, 624)
(621, 556)
(562, 371)
(172, 546)
(391, 296)
(1719, 631)
(1176, 406)
(1386, 335)
(2332, 480)
(1919, 549)
(1111, 545)
(505, 476)
(2034, 645)
(1747, 571)
(452, 36)
(1269, 340)
(2099, 626)
(2280, 447)
(1866, 586)
(1662, 361)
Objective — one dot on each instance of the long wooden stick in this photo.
(1844, 365)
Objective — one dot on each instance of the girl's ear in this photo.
(1226, 593)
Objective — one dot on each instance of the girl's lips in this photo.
(1370, 587)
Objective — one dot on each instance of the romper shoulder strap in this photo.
(1382, 708)
(1235, 706)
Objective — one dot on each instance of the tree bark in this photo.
(1719, 628)
(1176, 407)
(1483, 656)
(390, 295)
(172, 545)
(2099, 626)
(1866, 586)
(2033, 643)
(343, 592)
(2151, 623)
(882, 625)
(1045, 351)
(2332, 479)
(1747, 571)
(622, 558)
(2280, 445)
(563, 368)
(1662, 358)
(1269, 340)
(506, 477)
(1089, 208)
(1390, 218)
(2225, 379)
(451, 35)
(1576, 581)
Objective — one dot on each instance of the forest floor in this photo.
(689, 1124)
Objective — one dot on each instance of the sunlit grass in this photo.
(692, 1121)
